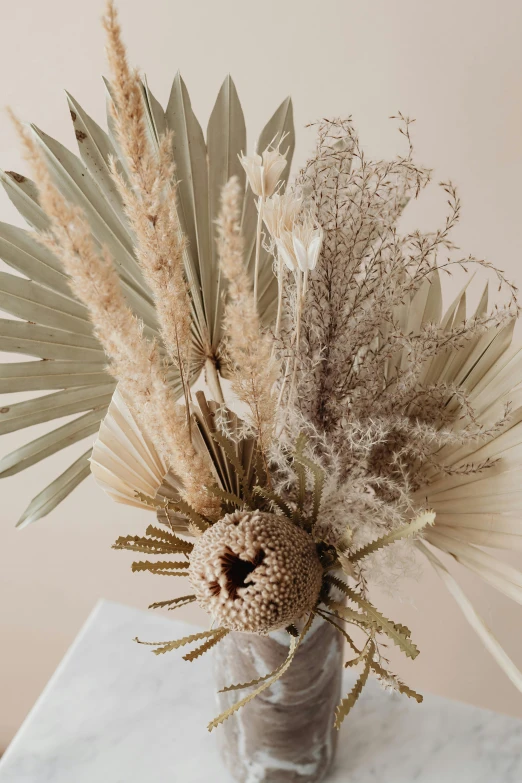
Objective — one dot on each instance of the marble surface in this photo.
(115, 713)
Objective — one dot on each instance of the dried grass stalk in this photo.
(134, 360)
(254, 369)
(149, 196)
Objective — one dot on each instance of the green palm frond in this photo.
(52, 327)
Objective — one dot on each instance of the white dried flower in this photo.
(280, 213)
(264, 171)
(307, 242)
(300, 247)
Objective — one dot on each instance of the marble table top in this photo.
(115, 713)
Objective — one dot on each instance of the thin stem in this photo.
(184, 383)
(281, 393)
(260, 203)
(213, 382)
(299, 304)
(279, 295)
(299, 309)
(305, 284)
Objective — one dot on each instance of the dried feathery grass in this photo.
(134, 360)
(148, 191)
(254, 369)
(374, 423)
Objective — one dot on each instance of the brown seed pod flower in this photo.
(255, 572)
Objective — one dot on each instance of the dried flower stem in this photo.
(260, 205)
(280, 272)
(301, 287)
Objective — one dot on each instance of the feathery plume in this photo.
(149, 197)
(250, 350)
(134, 360)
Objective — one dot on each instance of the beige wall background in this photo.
(455, 65)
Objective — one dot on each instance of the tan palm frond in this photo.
(124, 461)
(127, 466)
(475, 508)
(54, 328)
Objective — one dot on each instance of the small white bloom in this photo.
(280, 213)
(286, 251)
(300, 247)
(264, 171)
(307, 255)
(307, 241)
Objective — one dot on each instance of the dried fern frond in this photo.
(174, 603)
(162, 567)
(258, 680)
(319, 479)
(206, 646)
(351, 616)
(410, 530)
(169, 538)
(391, 681)
(147, 545)
(341, 630)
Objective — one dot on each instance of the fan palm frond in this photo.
(53, 327)
(474, 487)
(127, 466)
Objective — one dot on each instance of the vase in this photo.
(286, 734)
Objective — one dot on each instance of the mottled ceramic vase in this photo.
(286, 734)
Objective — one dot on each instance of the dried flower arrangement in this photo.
(375, 424)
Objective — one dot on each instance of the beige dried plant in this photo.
(148, 191)
(255, 572)
(384, 405)
(254, 368)
(361, 380)
(134, 361)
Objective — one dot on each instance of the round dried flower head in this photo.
(255, 572)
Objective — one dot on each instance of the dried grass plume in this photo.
(134, 360)
(250, 350)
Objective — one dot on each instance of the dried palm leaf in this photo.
(475, 493)
(124, 461)
(474, 619)
(54, 326)
(128, 467)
